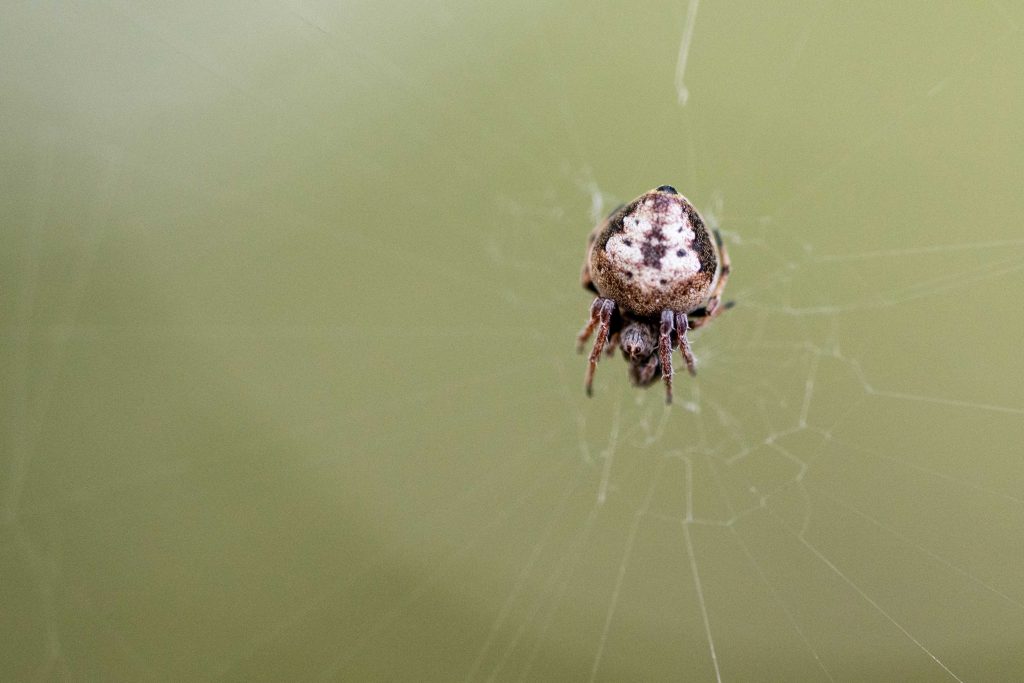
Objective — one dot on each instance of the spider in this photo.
(658, 272)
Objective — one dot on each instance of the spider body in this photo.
(658, 272)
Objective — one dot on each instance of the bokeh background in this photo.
(289, 290)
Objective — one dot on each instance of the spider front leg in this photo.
(682, 325)
(673, 322)
(601, 317)
(665, 351)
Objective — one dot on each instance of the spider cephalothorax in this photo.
(658, 272)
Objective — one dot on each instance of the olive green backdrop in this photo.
(288, 295)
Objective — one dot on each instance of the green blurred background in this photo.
(288, 294)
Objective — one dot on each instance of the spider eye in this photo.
(668, 188)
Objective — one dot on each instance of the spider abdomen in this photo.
(655, 254)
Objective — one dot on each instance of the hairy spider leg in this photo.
(682, 325)
(588, 329)
(601, 316)
(714, 307)
(613, 343)
(665, 351)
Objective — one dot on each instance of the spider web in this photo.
(269, 414)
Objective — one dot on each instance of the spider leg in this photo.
(682, 325)
(588, 329)
(601, 316)
(723, 275)
(613, 343)
(665, 352)
(714, 306)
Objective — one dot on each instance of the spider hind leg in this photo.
(714, 306)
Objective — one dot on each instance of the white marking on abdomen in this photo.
(626, 249)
